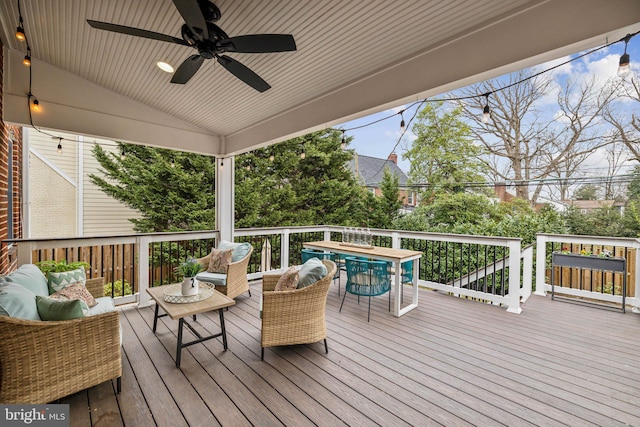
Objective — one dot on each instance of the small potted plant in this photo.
(189, 269)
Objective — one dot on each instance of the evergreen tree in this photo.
(387, 208)
(273, 186)
(171, 190)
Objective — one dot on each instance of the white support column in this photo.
(514, 278)
(636, 308)
(541, 257)
(142, 243)
(225, 195)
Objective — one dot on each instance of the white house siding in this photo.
(58, 200)
(103, 215)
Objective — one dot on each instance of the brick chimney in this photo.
(393, 157)
(501, 190)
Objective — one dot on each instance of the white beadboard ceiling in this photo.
(354, 57)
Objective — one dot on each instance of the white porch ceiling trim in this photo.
(79, 106)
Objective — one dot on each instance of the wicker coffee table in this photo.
(180, 311)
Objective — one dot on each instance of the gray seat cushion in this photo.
(218, 279)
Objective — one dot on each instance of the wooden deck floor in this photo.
(449, 362)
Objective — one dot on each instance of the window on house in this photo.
(410, 198)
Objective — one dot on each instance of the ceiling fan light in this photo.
(165, 66)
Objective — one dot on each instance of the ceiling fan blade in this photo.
(187, 69)
(135, 32)
(243, 73)
(260, 43)
(193, 17)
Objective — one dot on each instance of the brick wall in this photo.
(7, 255)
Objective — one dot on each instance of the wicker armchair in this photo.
(236, 282)
(42, 361)
(296, 316)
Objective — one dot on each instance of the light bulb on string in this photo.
(173, 162)
(35, 106)
(20, 36)
(59, 149)
(123, 155)
(343, 144)
(486, 111)
(624, 67)
(27, 58)
(272, 158)
(303, 155)
(402, 124)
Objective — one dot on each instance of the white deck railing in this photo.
(516, 265)
(542, 254)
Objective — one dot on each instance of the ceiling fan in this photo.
(200, 33)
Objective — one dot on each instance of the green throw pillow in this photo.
(310, 272)
(60, 280)
(53, 309)
(240, 250)
(17, 301)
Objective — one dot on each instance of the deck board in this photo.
(450, 362)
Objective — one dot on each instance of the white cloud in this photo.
(562, 69)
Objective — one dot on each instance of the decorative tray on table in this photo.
(174, 295)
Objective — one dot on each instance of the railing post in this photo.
(142, 242)
(514, 277)
(327, 235)
(541, 261)
(527, 273)
(395, 240)
(284, 250)
(636, 307)
(25, 249)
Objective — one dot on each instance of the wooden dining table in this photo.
(395, 256)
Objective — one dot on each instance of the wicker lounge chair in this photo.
(296, 316)
(236, 282)
(42, 361)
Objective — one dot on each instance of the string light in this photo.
(123, 155)
(303, 155)
(20, 30)
(173, 162)
(486, 112)
(625, 67)
(27, 58)
(35, 106)
(59, 149)
(272, 158)
(343, 144)
(403, 128)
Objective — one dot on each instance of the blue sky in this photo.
(378, 140)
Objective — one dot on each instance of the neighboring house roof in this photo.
(370, 170)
